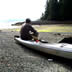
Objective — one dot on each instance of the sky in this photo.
(19, 10)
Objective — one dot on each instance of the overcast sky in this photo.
(21, 9)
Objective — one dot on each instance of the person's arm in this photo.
(33, 33)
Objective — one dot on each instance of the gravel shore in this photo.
(17, 58)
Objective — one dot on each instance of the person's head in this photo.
(28, 20)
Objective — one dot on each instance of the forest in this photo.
(58, 10)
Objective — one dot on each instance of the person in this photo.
(27, 32)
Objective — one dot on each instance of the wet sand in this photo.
(17, 58)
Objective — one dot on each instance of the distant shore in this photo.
(45, 22)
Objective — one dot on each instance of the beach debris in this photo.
(66, 40)
(50, 60)
(57, 34)
(8, 65)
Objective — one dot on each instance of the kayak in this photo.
(58, 49)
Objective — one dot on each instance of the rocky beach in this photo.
(17, 58)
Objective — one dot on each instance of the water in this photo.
(7, 25)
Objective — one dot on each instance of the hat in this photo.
(28, 20)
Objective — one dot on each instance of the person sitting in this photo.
(27, 32)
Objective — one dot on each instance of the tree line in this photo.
(59, 10)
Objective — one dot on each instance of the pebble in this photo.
(50, 60)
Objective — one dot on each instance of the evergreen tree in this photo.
(45, 15)
(68, 10)
(54, 9)
(61, 10)
(51, 10)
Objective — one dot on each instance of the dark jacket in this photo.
(25, 32)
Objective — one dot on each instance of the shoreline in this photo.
(45, 28)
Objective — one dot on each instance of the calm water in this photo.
(6, 25)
